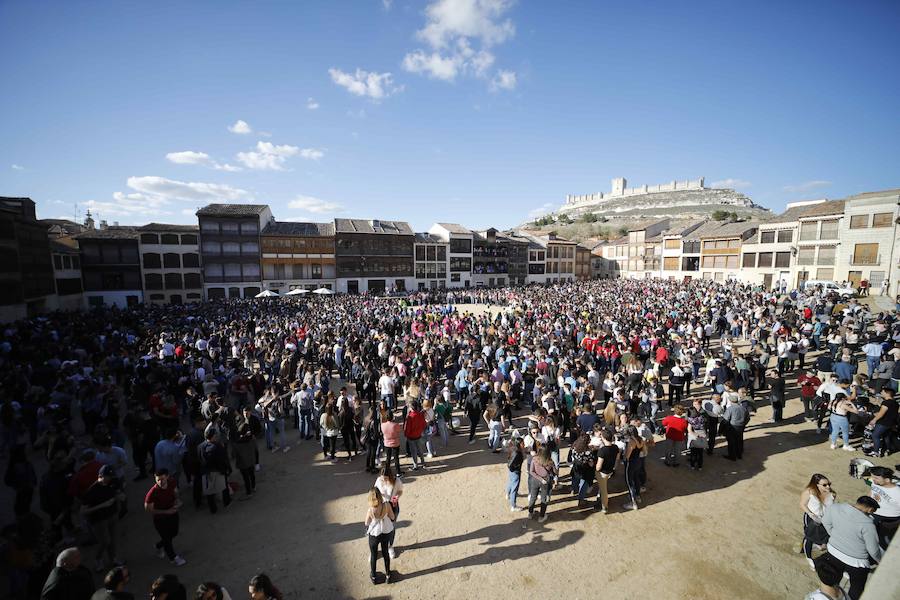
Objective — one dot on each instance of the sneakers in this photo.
(849, 448)
(812, 565)
(543, 519)
(391, 553)
(160, 553)
(515, 508)
(472, 442)
(429, 455)
(834, 446)
(286, 449)
(178, 561)
(630, 506)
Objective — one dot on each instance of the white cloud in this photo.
(450, 29)
(479, 19)
(730, 183)
(191, 157)
(503, 80)
(272, 157)
(540, 211)
(376, 86)
(387, 4)
(806, 186)
(311, 103)
(240, 127)
(314, 205)
(16, 167)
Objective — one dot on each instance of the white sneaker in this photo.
(391, 552)
(515, 508)
(630, 506)
(429, 456)
(286, 449)
(812, 565)
(834, 446)
(178, 561)
(849, 448)
(542, 519)
(472, 442)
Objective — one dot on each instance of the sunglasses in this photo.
(825, 484)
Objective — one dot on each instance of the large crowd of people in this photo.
(575, 383)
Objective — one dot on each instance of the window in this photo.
(212, 248)
(157, 296)
(173, 281)
(316, 271)
(277, 271)
(249, 248)
(765, 260)
(57, 262)
(876, 277)
(76, 262)
(153, 281)
(461, 264)
(806, 255)
(690, 247)
(109, 254)
(213, 270)
(420, 252)
(420, 270)
(249, 227)
(229, 228)
(785, 235)
(670, 263)
(209, 227)
(67, 262)
(766, 237)
(749, 260)
(169, 238)
(864, 254)
(231, 248)
(129, 254)
(442, 253)
(171, 260)
(251, 270)
(430, 253)
(149, 238)
(826, 274)
(827, 255)
(731, 262)
(672, 244)
(192, 281)
(454, 277)
(188, 239)
(191, 259)
(232, 270)
(808, 230)
(152, 261)
(829, 230)
(882, 220)
(859, 221)
(782, 259)
(460, 246)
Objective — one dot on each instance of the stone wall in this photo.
(620, 191)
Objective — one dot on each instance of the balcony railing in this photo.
(865, 260)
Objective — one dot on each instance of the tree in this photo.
(589, 218)
(564, 218)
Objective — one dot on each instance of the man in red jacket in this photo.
(413, 430)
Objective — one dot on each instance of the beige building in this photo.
(678, 262)
(720, 248)
(170, 263)
(868, 239)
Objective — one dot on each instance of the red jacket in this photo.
(415, 425)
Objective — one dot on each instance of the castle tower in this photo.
(618, 186)
(88, 220)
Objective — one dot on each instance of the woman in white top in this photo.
(379, 526)
(815, 497)
(391, 489)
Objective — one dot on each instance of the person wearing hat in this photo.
(99, 505)
(852, 540)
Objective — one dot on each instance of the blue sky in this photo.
(481, 112)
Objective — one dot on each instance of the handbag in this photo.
(815, 532)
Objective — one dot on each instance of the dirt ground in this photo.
(729, 531)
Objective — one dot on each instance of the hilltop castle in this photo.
(619, 191)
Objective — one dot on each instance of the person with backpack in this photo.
(584, 461)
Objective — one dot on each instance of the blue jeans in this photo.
(840, 425)
(494, 439)
(872, 363)
(306, 424)
(878, 433)
(389, 398)
(416, 453)
(512, 487)
(580, 484)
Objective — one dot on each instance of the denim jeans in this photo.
(512, 487)
(872, 363)
(878, 433)
(840, 425)
(494, 438)
(306, 425)
(581, 484)
(442, 430)
(416, 453)
(535, 487)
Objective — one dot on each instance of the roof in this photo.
(372, 226)
(232, 210)
(299, 228)
(110, 233)
(646, 225)
(455, 228)
(64, 245)
(427, 238)
(719, 229)
(891, 192)
(167, 227)
(683, 226)
(821, 209)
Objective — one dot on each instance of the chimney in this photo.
(115, 223)
(103, 224)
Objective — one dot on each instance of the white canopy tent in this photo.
(297, 292)
(323, 291)
(267, 294)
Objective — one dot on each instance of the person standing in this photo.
(840, 422)
(379, 525)
(514, 466)
(606, 462)
(114, 585)
(736, 418)
(69, 579)
(713, 409)
(541, 474)
(814, 499)
(331, 428)
(100, 507)
(391, 488)
(883, 422)
(852, 540)
(371, 438)
(413, 429)
(676, 430)
(776, 395)
(887, 494)
(163, 502)
(245, 452)
(215, 468)
(696, 435)
(391, 431)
